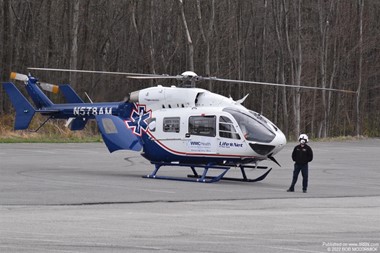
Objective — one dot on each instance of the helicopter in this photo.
(181, 126)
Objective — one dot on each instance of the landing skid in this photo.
(204, 178)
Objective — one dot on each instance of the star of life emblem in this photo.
(138, 121)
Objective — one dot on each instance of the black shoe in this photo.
(290, 190)
(304, 191)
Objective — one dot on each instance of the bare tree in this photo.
(74, 41)
(6, 48)
(206, 36)
(295, 58)
(189, 41)
(361, 7)
(278, 13)
(324, 35)
(298, 71)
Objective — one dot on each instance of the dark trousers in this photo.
(304, 169)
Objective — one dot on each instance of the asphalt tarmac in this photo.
(80, 198)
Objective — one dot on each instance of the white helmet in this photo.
(303, 138)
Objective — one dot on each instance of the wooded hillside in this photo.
(303, 42)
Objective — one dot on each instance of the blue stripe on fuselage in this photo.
(154, 151)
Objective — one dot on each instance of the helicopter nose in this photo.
(279, 142)
(272, 148)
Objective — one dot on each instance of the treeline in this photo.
(323, 43)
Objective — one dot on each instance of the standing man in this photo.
(302, 155)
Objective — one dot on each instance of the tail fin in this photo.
(70, 95)
(24, 110)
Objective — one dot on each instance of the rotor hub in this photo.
(188, 79)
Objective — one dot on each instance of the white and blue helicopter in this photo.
(171, 126)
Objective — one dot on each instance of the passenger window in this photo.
(227, 129)
(171, 124)
(202, 125)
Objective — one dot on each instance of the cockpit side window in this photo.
(227, 129)
(202, 125)
(253, 129)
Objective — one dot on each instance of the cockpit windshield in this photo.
(253, 129)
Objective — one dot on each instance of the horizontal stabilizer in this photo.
(24, 110)
(116, 135)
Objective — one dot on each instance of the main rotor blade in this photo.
(188, 78)
(275, 84)
(91, 71)
(155, 77)
(177, 77)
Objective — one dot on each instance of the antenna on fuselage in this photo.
(88, 97)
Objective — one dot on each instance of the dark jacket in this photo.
(302, 155)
